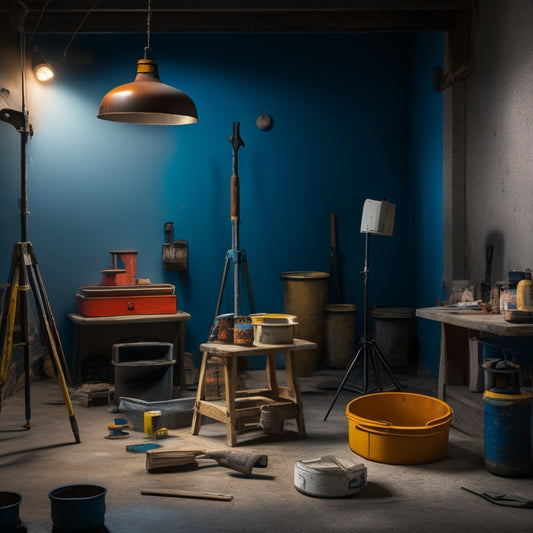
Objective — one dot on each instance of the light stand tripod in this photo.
(25, 276)
(235, 255)
(367, 350)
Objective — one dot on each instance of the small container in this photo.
(273, 333)
(329, 477)
(273, 318)
(524, 294)
(243, 333)
(151, 422)
(222, 329)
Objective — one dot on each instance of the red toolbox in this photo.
(151, 299)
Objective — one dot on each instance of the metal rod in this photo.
(23, 142)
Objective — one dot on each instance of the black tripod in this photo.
(368, 350)
(25, 276)
(235, 255)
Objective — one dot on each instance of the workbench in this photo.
(94, 339)
(241, 409)
(457, 326)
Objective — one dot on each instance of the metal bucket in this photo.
(78, 507)
(305, 294)
(507, 433)
(9, 511)
(329, 477)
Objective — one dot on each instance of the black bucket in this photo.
(9, 511)
(78, 507)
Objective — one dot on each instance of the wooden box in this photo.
(126, 305)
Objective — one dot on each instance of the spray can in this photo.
(524, 293)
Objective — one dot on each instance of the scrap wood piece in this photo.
(171, 460)
(174, 493)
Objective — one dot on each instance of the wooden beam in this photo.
(64, 16)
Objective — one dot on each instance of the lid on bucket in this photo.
(392, 312)
(304, 275)
(341, 308)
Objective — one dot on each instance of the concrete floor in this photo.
(410, 499)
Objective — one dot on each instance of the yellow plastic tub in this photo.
(399, 427)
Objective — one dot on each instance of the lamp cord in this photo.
(148, 48)
(78, 29)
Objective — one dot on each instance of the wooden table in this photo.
(452, 320)
(241, 409)
(95, 336)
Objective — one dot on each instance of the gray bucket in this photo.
(78, 507)
(9, 511)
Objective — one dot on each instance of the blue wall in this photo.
(343, 108)
(425, 192)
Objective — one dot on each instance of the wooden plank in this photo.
(175, 493)
(476, 320)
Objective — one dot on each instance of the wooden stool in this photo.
(242, 408)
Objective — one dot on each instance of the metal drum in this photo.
(305, 294)
(507, 433)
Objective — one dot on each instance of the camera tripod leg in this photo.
(23, 277)
(229, 255)
(383, 361)
(346, 376)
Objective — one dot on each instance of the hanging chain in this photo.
(148, 22)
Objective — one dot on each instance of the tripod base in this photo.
(369, 354)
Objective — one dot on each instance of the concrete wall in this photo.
(499, 140)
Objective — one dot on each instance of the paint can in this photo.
(78, 507)
(151, 421)
(243, 333)
(329, 477)
(222, 329)
(507, 433)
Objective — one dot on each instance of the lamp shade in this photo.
(41, 68)
(147, 100)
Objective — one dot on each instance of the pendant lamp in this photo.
(147, 100)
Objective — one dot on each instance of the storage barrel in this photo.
(340, 334)
(395, 334)
(507, 433)
(305, 294)
(399, 428)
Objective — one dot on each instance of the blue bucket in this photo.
(507, 433)
(9, 511)
(78, 507)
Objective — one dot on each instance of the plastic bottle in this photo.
(524, 293)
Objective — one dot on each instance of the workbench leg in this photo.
(230, 385)
(200, 395)
(271, 374)
(293, 388)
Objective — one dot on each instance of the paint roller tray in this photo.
(175, 413)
